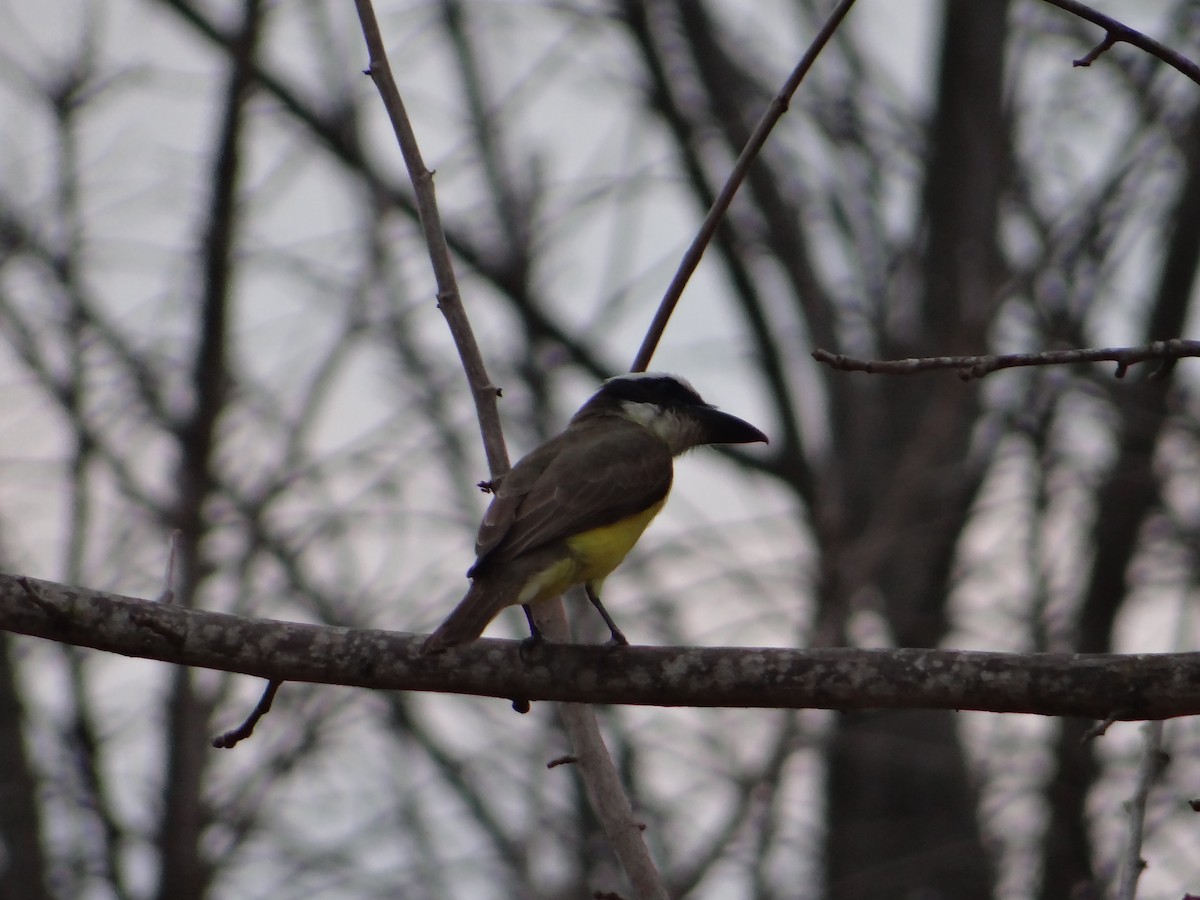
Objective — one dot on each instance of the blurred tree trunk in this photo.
(1131, 493)
(186, 872)
(903, 816)
(23, 872)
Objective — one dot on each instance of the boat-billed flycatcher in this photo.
(569, 511)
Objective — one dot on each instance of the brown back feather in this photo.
(599, 471)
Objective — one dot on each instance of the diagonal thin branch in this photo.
(1148, 772)
(602, 781)
(691, 258)
(449, 299)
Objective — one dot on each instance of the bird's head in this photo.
(671, 408)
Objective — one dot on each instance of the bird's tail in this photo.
(479, 606)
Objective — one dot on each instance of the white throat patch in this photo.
(679, 432)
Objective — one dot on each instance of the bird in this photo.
(571, 509)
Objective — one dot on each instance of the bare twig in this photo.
(168, 591)
(978, 366)
(691, 258)
(1116, 32)
(1101, 728)
(230, 738)
(1148, 772)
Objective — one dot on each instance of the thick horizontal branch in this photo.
(1097, 686)
(968, 367)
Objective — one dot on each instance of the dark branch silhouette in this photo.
(969, 367)
(1116, 32)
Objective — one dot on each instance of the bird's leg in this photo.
(535, 633)
(617, 637)
(535, 638)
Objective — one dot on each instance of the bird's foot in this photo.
(530, 648)
(617, 639)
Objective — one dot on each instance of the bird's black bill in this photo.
(722, 428)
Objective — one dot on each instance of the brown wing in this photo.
(593, 474)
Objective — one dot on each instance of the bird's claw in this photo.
(529, 648)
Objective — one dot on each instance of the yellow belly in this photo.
(594, 554)
(601, 550)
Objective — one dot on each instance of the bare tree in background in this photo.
(217, 321)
